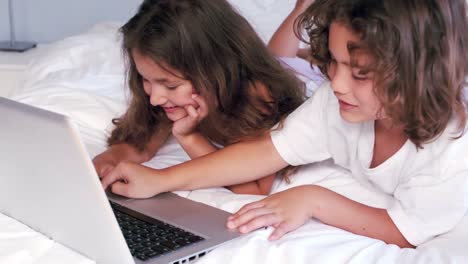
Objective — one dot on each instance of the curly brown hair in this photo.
(216, 49)
(419, 56)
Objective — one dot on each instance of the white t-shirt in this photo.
(429, 185)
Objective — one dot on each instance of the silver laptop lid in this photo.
(49, 183)
(37, 193)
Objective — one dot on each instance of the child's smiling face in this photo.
(353, 89)
(165, 87)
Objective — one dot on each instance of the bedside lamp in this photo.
(14, 45)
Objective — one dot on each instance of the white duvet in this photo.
(82, 77)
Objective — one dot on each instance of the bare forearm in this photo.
(258, 187)
(284, 42)
(238, 163)
(304, 54)
(339, 211)
(127, 152)
(196, 145)
(157, 140)
(246, 188)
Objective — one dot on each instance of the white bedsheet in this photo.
(82, 77)
(312, 242)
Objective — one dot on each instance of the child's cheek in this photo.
(193, 103)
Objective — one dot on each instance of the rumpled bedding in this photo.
(82, 77)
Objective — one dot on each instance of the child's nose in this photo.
(340, 82)
(158, 96)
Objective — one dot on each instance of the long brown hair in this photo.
(219, 52)
(419, 56)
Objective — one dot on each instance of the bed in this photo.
(82, 77)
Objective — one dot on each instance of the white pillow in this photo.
(81, 77)
(264, 15)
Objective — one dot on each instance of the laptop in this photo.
(48, 182)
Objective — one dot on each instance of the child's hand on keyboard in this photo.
(132, 180)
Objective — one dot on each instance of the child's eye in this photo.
(360, 75)
(172, 86)
(360, 78)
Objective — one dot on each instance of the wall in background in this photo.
(45, 21)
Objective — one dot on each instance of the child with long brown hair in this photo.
(393, 115)
(197, 70)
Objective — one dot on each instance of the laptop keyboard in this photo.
(151, 239)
